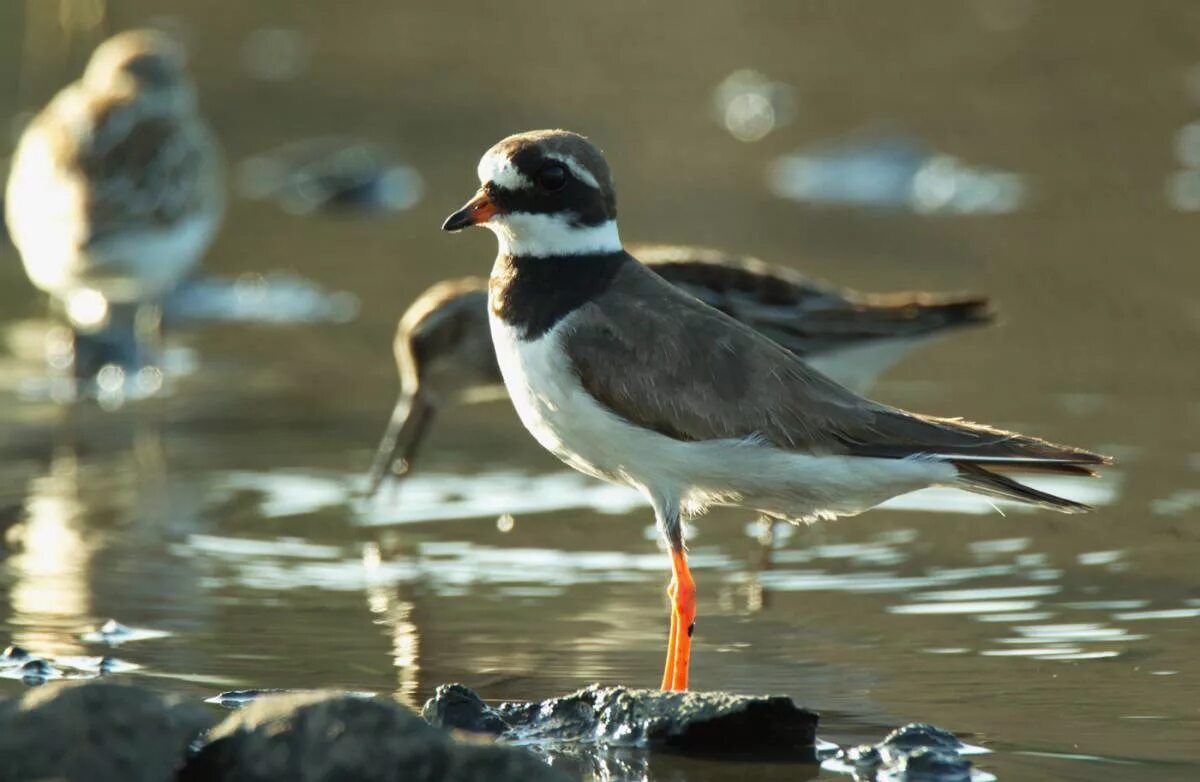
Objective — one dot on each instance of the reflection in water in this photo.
(750, 106)
(50, 590)
(396, 616)
(443, 496)
(78, 561)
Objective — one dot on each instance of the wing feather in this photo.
(672, 364)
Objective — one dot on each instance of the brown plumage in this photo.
(802, 314)
(117, 185)
(444, 353)
(706, 376)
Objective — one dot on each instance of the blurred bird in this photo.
(116, 188)
(627, 378)
(443, 345)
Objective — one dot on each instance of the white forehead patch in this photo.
(496, 168)
(581, 173)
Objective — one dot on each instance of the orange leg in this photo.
(682, 592)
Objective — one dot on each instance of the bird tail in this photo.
(974, 478)
(918, 314)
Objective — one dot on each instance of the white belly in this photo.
(569, 423)
(555, 409)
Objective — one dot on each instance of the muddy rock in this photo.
(917, 752)
(925, 764)
(96, 732)
(329, 737)
(919, 735)
(694, 722)
(458, 707)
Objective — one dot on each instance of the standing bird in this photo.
(116, 188)
(443, 344)
(626, 378)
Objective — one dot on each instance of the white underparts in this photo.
(745, 472)
(543, 235)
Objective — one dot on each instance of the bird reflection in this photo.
(50, 593)
(90, 541)
(396, 615)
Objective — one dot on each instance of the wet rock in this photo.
(113, 633)
(925, 764)
(863, 759)
(696, 722)
(96, 732)
(14, 655)
(37, 672)
(327, 737)
(917, 752)
(458, 707)
(917, 735)
(28, 669)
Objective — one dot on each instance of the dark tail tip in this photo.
(975, 478)
(953, 312)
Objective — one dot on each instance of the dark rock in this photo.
(96, 732)
(926, 764)
(37, 667)
(37, 672)
(863, 758)
(917, 752)
(457, 707)
(696, 722)
(328, 737)
(917, 735)
(14, 655)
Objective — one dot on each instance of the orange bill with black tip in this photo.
(478, 210)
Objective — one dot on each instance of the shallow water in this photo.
(226, 513)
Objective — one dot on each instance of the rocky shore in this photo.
(106, 730)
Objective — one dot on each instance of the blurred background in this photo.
(1045, 154)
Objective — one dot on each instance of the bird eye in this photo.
(552, 177)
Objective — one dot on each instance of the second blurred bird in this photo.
(444, 352)
(116, 192)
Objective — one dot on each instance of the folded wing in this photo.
(672, 364)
